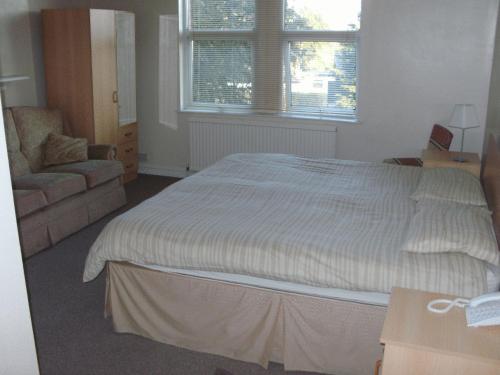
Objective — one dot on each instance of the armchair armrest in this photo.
(102, 152)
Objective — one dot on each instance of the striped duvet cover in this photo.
(328, 223)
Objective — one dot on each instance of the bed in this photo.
(266, 257)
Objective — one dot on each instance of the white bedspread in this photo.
(328, 223)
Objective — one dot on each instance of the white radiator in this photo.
(210, 140)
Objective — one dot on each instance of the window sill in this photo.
(275, 117)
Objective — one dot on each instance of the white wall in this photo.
(16, 57)
(493, 118)
(418, 59)
(17, 345)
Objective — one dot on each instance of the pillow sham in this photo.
(60, 149)
(443, 227)
(450, 184)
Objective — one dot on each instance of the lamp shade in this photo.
(464, 116)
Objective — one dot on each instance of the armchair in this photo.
(56, 201)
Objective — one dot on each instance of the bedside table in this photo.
(444, 159)
(419, 342)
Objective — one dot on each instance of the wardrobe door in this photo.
(68, 70)
(104, 84)
(125, 65)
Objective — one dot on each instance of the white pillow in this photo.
(450, 184)
(442, 227)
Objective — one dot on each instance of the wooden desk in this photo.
(419, 342)
(444, 159)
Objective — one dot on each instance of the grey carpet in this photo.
(72, 335)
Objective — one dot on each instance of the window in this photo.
(269, 56)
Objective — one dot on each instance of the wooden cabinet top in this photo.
(408, 323)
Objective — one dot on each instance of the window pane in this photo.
(321, 77)
(334, 15)
(222, 14)
(222, 72)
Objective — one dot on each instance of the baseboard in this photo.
(160, 170)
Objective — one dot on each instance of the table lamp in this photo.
(464, 117)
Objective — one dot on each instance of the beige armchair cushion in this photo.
(96, 172)
(33, 127)
(17, 161)
(61, 149)
(55, 186)
(28, 201)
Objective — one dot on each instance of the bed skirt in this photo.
(245, 323)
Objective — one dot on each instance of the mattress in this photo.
(371, 298)
(323, 223)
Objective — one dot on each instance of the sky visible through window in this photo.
(335, 15)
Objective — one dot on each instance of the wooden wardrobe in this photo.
(89, 57)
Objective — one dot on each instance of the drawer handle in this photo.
(129, 150)
(128, 134)
(129, 166)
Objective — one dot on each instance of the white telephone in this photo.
(480, 311)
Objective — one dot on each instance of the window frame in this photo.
(187, 36)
